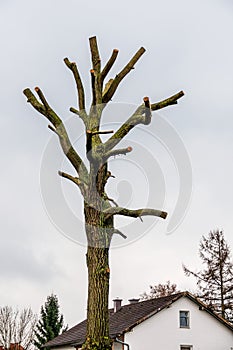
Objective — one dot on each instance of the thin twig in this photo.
(98, 132)
(118, 232)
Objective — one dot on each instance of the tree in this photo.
(17, 328)
(99, 209)
(51, 322)
(160, 290)
(215, 280)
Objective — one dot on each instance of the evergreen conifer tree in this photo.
(50, 323)
(215, 280)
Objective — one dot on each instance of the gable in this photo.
(204, 331)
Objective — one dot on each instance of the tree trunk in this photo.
(97, 258)
(97, 336)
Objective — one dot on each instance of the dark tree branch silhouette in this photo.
(215, 280)
(160, 290)
(17, 328)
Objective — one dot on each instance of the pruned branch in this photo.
(172, 100)
(110, 200)
(75, 180)
(103, 132)
(148, 114)
(96, 62)
(136, 118)
(59, 128)
(118, 232)
(81, 95)
(53, 129)
(119, 77)
(42, 98)
(107, 86)
(96, 75)
(117, 152)
(34, 102)
(93, 86)
(81, 184)
(142, 115)
(99, 132)
(109, 64)
(136, 213)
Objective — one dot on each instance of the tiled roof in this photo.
(126, 318)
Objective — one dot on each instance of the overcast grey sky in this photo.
(189, 47)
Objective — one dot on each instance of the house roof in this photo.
(127, 317)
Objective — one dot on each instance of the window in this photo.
(184, 320)
(186, 347)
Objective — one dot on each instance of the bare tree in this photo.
(215, 280)
(160, 290)
(17, 328)
(99, 209)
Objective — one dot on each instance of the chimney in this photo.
(117, 304)
(133, 301)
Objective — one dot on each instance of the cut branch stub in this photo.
(118, 232)
(117, 152)
(148, 114)
(109, 65)
(42, 98)
(95, 54)
(93, 86)
(99, 132)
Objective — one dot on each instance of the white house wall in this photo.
(162, 331)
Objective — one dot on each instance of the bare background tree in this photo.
(17, 328)
(160, 290)
(215, 280)
(99, 209)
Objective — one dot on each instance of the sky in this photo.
(188, 47)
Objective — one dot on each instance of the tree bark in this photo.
(98, 210)
(97, 336)
(99, 234)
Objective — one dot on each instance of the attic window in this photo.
(184, 320)
(186, 347)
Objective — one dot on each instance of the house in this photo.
(176, 322)
(12, 346)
